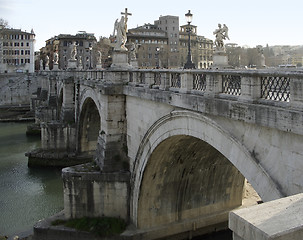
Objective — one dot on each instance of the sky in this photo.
(251, 23)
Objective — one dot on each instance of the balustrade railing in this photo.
(157, 78)
(175, 80)
(279, 86)
(231, 84)
(275, 88)
(199, 81)
(142, 77)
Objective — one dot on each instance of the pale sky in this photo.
(254, 22)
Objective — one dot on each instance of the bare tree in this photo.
(3, 23)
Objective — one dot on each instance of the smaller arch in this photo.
(89, 127)
(59, 104)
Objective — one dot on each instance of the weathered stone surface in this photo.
(89, 192)
(164, 126)
(280, 219)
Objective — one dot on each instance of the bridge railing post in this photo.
(164, 81)
(186, 82)
(149, 80)
(250, 88)
(213, 85)
(296, 90)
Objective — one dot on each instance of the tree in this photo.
(3, 23)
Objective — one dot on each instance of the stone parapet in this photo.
(276, 220)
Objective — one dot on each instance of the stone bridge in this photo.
(171, 148)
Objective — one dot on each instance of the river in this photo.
(26, 195)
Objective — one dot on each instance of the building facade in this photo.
(201, 48)
(16, 50)
(165, 44)
(151, 46)
(170, 24)
(63, 43)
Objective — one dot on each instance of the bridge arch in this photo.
(196, 132)
(59, 103)
(89, 124)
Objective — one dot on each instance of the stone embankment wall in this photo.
(17, 88)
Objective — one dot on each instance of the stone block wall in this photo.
(16, 89)
(91, 193)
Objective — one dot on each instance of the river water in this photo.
(26, 195)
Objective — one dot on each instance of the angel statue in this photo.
(221, 34)
(56, 58)
(120, 34)
(73, 53)
(99, 58)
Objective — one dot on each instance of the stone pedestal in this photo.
(46, 68)
(134, 63)
(120, 60)
(220, 60)
(71, 64)
(55, 67)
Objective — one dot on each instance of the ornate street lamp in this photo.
(189, 64)
(90, 56)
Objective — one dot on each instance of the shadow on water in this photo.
(220, 235)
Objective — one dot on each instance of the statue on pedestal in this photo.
(47, 63)
(120, 30)
(133, 51)
(221, 34)
(99, 58)
(120, 33)
(73, 51)
(56, 58)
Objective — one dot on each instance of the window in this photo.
(27, 44)
(22, 43)
(22, 52)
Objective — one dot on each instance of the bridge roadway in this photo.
(172, 148)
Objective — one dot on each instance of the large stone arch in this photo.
(179, 126)
(89, 124)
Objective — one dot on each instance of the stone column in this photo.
(186, 82)
(250, 89)
(68, 105)
(213, 85)
(296, 89)
(112, 148)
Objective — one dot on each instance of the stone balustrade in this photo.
(242, 85)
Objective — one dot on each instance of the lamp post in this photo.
(189, 64)
(90, 57)
(157, 57)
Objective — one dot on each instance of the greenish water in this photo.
(26, 195)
